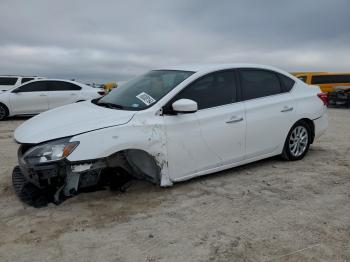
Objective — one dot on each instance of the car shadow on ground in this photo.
(12, 118)
(138, 187)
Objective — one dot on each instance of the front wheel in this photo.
(3, 112)
(298, 142)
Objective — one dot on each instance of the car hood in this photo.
(68, 121)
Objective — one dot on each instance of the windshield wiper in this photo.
(110, 105)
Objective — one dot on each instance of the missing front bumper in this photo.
(63, 179)
(55, 183)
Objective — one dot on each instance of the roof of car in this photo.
(57, 79)
(64, 80)
(18, 76)
(213, 67)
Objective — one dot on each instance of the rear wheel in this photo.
(4, 112)
(298, 142)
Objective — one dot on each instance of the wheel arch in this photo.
(310, 124)
(136, 142)
(137, 162)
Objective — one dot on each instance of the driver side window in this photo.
(214, 89)
(39, 86)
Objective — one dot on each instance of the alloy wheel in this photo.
(298, 141)
(3, 112)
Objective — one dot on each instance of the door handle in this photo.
(42, 95)
(72, 94)
(287, 109)
(234, 120)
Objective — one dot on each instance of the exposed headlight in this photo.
(49, 152)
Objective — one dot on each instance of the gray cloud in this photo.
(115, 40)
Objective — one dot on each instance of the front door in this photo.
(211, 137)
(31, 98)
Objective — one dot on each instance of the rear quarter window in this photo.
(287, 82)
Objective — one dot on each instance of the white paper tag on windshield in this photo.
(146, 98)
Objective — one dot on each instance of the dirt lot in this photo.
(267, 211)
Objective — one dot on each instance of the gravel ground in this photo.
(271, 210)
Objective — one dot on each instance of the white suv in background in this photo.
(37, 96)
(8, 82)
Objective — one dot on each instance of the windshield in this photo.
(143, 91)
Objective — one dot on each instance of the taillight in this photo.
(324, 98)
(101, 93)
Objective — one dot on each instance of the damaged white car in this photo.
(167, 126)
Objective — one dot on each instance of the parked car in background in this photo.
(167, 126)
(37, 96)
(303, 76)
(339, 97)
(326, 81)
(95, 85)
(109, 86)
(9, 82)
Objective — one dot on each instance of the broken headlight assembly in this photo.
(49, 152)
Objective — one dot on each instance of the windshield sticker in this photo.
(146, 98)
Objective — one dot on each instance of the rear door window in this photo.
(63, 86)
(259, 83)
(8, 81)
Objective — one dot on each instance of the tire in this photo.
(4, 112)
(27, 192)
(297, 142)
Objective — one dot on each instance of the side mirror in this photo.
(185, 106)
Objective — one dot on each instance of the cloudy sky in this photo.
(110, 40)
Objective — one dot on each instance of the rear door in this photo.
(63, 93)
(30, 98)
(269, 109)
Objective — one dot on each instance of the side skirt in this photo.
(224, 167)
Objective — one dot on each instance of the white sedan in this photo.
(167, 126)
(38, 96)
